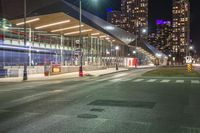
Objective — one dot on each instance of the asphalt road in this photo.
(118, 103)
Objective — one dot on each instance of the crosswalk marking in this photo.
(195, 82)
(165, 81)
(180, 81)
(151, 80)
(138, 80)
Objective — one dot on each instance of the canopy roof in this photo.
(61, 17)
(61, 11)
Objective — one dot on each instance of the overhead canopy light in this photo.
(28, 21)
(95, 34)
(68, 28)
(76, 32)
(52, 24)
(109, 28)
(103, 36)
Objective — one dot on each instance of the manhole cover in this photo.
(87, 116)
(97, 110)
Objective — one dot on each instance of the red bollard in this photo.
(80, 71)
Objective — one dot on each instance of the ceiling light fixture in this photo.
(68, 28)
(28, 21)
(52, 24)
(76, 32)
(95, 34)
(102, 36)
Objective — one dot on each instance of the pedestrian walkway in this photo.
(41, 77)
(163, 81)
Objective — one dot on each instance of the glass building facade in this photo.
(43, 48)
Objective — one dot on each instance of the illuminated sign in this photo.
(56, 70)
(162, 22)
(188, 59)
(109, 10)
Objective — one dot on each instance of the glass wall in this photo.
(43, 48)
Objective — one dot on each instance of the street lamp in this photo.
(80, 38)
(144, 31)
(191, 48)
(107, 58)
(134, 52)
(117, 49)
(141, 31)
(107, 52)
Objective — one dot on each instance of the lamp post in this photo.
(107, 58)
(191, 48)
(116, 50)
(25, 75)
(141, 31)
(80, 39)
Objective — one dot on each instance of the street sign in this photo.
(77, 41)
(188, 59)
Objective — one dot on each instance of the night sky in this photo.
(158, 9)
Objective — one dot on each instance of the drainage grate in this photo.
(87, 116)
(135, 104)
(97, 110)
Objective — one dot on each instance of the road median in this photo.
(171, 72)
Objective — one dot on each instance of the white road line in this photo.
(180, 81)
(195, 82)
(116, 80)
(128, 79)
(151, 80)
(138, 80)
(165, 81)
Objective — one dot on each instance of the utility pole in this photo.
(25, 74)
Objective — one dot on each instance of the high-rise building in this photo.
(180, 28)
(162, 38)
(114, 17)
(136, 12)
(133, 18)
(1, 9)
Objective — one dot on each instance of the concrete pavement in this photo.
(41, 77)
(117, 103)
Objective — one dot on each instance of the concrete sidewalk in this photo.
(41, 77)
